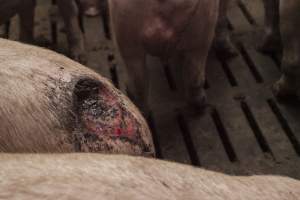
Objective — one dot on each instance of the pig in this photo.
(180, 30)
(49, 103)
(282, 23)
(96, 176)
(69, 12)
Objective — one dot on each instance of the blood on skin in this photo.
(105, 114)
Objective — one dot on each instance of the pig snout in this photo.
(52, 104)
(94, 176)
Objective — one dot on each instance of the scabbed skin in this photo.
(95, 176)
(50, 103)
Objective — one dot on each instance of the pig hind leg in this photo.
(70, 11)
(223, 43)
(26, 14)
(137, 71)
(272, 39)
(194, 78)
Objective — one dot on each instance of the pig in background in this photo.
(271, 42)
(96, 176)
(69, 10)
(50, 103)
(176, 31)
(288, 28)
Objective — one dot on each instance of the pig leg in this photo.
(134, 57)
(26, 14)
(194, 78)
(8, 9)
(272, 39)
(138, 81)
(69, 11)
(223, 43)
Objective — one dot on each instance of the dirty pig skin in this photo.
(49, 103)
(96, 176)
(177, 31)
(69, 10)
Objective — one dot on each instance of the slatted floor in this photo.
(245, 130)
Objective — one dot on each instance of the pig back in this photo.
(96, 176)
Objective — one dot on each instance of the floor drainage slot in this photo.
(285, 126)
(152, 126)
(170, 77)
(246, 13)
(249, 62)
(186, 133)
(256, 129)
(231, 79)
(224, 136)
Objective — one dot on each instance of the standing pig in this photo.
(25, 9)
(169, 29)
(289, 28)
(87, 176)
(50, 103)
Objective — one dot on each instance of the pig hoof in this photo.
(225, 49)
(282, 90)
(198, 99)
(92, 12)
(271, 44)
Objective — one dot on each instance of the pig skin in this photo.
(50, 103)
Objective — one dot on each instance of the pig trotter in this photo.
(285, 87)
(225, 48)
(271, 43)
(197, 98)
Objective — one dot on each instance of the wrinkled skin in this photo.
(50, 103)
(95, 176)
(287, 29)
(69, 12)
(179, 30)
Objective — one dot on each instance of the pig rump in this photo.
(50, 103)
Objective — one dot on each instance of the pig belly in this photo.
(158, 37)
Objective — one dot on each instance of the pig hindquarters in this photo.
(49, 103)
(174, 29)
(95, 176)
(25, 9)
